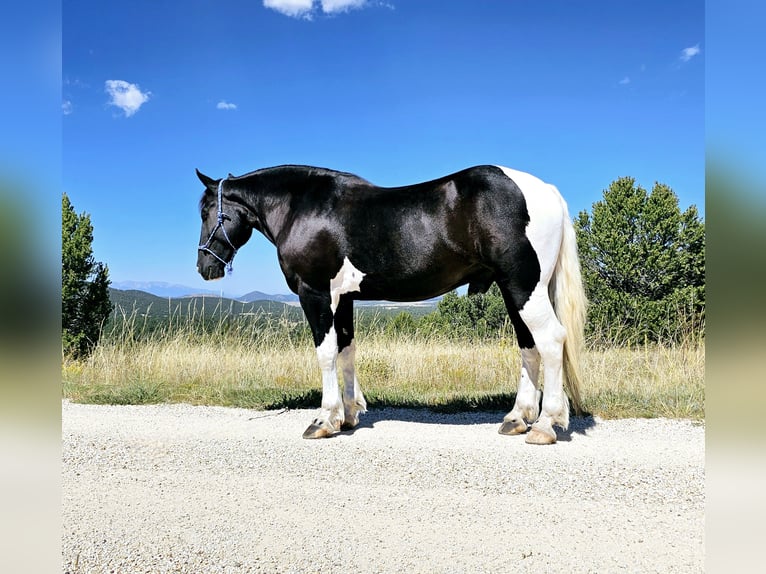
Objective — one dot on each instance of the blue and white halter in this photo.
(221, 217)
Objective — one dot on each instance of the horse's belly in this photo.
(404, 286)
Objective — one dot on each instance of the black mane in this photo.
(292, 170)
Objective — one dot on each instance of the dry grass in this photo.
(266, 369)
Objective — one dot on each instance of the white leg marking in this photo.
(549, 337)
(526, 409)
(332, 406)
(528, 395)
(353, 399)
(347, 279)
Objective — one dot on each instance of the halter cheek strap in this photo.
(221, 217)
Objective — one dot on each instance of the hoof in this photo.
(513, 427)
(541, 436)
(318, 429)
(348, 426)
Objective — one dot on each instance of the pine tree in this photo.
(85, 283)
(643, 263)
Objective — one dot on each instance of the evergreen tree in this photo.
(643, 263)
(471, 316)
(85, 282)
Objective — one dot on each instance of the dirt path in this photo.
(175, 488)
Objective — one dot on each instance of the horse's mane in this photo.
(309, 171)
(208, 196)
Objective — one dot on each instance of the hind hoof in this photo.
(541, 436)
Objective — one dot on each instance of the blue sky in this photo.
(578, 93)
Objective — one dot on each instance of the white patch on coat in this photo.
(450, 194)
(546, 218)
(347, 279)
(327, 351)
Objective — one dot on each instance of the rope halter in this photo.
(221, 218)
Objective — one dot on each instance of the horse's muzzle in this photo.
(210, 271)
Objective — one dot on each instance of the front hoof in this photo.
(539, 435)
(319, 429)
(513, 427)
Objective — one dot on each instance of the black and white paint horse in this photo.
(340, 238)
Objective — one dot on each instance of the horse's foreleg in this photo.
(321, 320)
(330, 417)
(353, 399)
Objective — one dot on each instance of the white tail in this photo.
(570, 303)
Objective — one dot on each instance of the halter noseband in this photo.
(221, 217)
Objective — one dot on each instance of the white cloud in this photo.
(333, 6)
(305, 8)
(294, 8)
(66, 107)
(625, 81)
(688, 53)
(126, 96)
(224, 105)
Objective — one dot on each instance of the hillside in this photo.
(142, 303)
(259, 296)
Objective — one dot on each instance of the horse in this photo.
(339, 239)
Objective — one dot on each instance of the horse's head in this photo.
(225, 228)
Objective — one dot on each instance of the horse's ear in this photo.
(208, 182)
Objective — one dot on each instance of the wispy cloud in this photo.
(688, 53)
(224, 105)
(334, 6)
(126, 96)
(625, 81)
(66, 107)
(306, 8)
(293, 8)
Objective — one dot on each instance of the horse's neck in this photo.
(270, 196)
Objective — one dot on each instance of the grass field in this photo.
(274, 365)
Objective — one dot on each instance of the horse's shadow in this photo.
(457, 414)
(489, 409)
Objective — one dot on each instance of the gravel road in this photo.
(176, 488)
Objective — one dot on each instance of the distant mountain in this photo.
(163, 289)
(146, 304)
(259, 296)
(136, 302)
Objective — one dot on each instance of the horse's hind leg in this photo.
(540, 336)
(527, 406)
(353, 399)
(549, 335)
